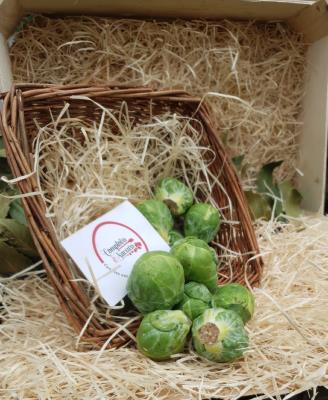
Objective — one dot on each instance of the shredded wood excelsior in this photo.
(252, 74)
(288, 336)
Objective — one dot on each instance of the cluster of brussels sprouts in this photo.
(177, 291)
(174, 199)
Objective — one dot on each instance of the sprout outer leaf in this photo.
(174, 236)
(158, 214)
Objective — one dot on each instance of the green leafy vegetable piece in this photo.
(196, 299)
(198, 261)
(259, 205)
(265, 182)
(174, 236)
(4, 206)
(16, 211)
(175, 194)
(156, 282)
(282, 197)
(266, 185)
(219, 335)
(163, 333)
(203, 221)
(235, 297)
(11, 260)
(198, 291)
(18, 236)
(159, 215)
(291, 199)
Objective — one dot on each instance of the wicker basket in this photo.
(26, 103)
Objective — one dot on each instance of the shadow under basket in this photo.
(25, 105)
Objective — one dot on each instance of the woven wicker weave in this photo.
(25, 104)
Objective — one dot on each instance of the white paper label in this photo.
(106, 249)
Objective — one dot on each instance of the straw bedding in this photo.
(288, 352)
(86, 169)
(252, 74)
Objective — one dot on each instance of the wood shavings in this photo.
(39, 359)
(85, 169)
(251, 74)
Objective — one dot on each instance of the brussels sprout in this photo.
(163, 333)
(197, 260)
(219, 335)
(237, 298)
(175, 194)
(196, 299)
(156, 282)
(174, 236)
(158, 214)
(203, 221)
(197, 290)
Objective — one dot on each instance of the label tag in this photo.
(106, 249)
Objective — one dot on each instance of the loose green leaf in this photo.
(265, 182)
(18, 236)
(238, 161)
(259, 205)
(278, 208)
(11, 260)
(266, 185)
(291, 199)
(16, 211)
(4, 206)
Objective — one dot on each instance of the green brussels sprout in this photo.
(163, 333)
(219, 335)
(158, 214)
(156, 282)
(174, 236)
(203, 221)
(237, 298)
(175, 194)
(196, 299)
(197, 260)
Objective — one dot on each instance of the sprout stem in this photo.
(208, 333)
